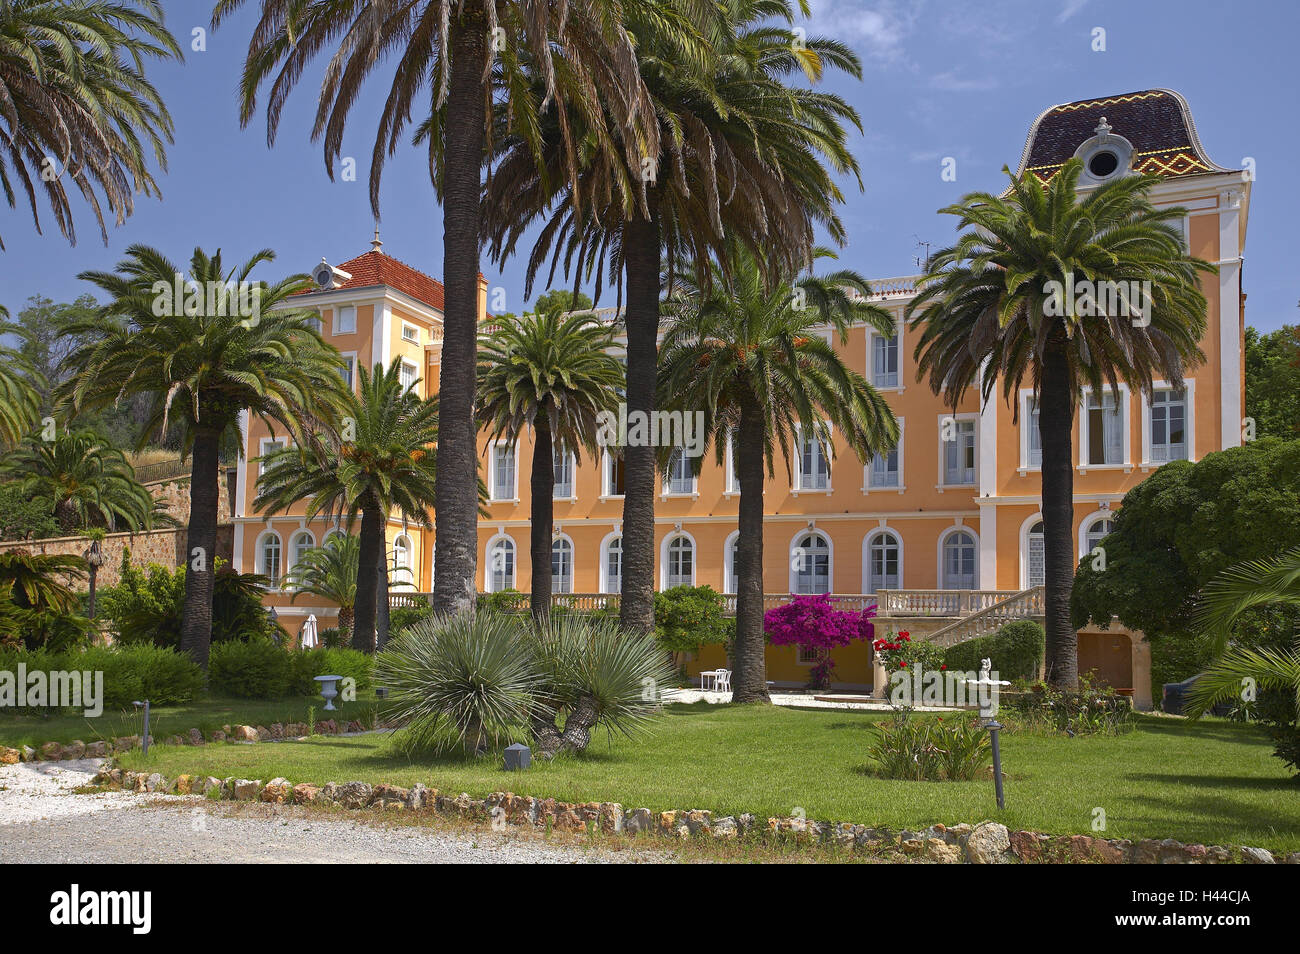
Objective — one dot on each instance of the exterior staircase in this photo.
(1027, 604)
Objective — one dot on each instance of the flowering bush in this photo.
(900, 652)
(813, 622)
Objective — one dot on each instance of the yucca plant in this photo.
(460, 682)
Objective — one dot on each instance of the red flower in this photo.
(945, 666)
(903, 664)
(904, 633)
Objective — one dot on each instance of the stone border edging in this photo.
(988, 842)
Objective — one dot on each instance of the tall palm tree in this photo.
(753, 358)
(330, 572)
(552, 373)
(378, 462)
(743, 157)
(999, 305)
(75, 105)
(19, 399)
(202, 356)
(459, 57)
(90, 482)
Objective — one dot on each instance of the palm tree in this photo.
(203, 356)
(379, 462)
(90, 482)
(19, 399)
(330, 572)
(999, 306)
(742, 157)
(457, 57)
(75, 104)
(755, 361)
(554, 373)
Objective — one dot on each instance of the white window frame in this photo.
(828, 454)
(1026, 427)
(351, 362)
(414, 336)
(263, 446)
(571, 461)
(414, 370)
(562, 540)
(830, 559)
(872, 336)
(407, 565)
(943, 540)
(868, 487)
(606, 583)
(1085, 526)
(340, 327)
(868, 542)
(666, 489)
(488, 581)
(607, 474)
(730, 481)
(1025, 527)
(1189, 424)
(294, 557)
(492, 472)
(730, 578)
(973, 418)
(1085, 432)
(260, 561)
(664, 549)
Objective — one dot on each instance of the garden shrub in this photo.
(1016, 651)
(900, 651)
(1087, 710)
(929, 750)
(163, 676)
(688, 617)
(503, 601)
(406, 616)
(349, 663)
(813, 622)
(253, 669)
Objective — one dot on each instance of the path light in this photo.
(145, 744)
(993, 726)
(328, 691)
(518, 757)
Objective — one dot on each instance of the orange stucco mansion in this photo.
(932, 514)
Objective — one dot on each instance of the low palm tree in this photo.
(754, 360)
(20, 400)
(379, 461)
(553, 373)
(76, 107)
(330, 572)
(90, 482)
(999, 306)
(747, 153)
(456, 58)
(226, 347)
(1222, 602)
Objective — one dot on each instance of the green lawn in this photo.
(36, 726)
(1213, 782)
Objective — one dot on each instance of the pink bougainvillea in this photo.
(814, 622)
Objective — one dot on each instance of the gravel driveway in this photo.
(43, 820)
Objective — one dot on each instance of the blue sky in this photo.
(941, 79)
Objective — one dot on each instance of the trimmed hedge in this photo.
(1016, 650)
(163, 676)
(259, 669)
(338, 662)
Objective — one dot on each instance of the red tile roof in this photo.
(375, 268)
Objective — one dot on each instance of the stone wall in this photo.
(164, 547)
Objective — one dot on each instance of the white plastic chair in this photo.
(723, 681)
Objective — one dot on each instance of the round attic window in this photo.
(1103, 164)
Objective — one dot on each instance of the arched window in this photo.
(810, 563)
(1035, 556)
(500, 573)
(883, 563)
(302, 542)
(681, 563)
(268, 556)
(959, 567)
(1097, 531)
(562, 566)
(732, 583)
(614, 565)
(401, 560)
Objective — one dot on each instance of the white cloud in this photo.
(1070, 9)
(877, 29)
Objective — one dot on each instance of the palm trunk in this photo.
(749, 681)
(201, 546)
(1056, 421)
(455, 499)
(641, 254)
(345, 624)
(381, 601)
(543, 520)
(368, 570)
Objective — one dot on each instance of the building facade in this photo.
(955, 506)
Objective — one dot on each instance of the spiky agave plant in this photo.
(460, 682)
(595, 674)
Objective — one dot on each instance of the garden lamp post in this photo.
(993, 726)
(144, 743)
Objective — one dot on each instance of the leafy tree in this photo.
(447, 59)
(89, 483)
(1273, 381)
(752, 357)
(202, 360)
(44, 345)
(742, 155)
(560, 299)
(1002, 305)
(378, 462)
(689, 617)
(23, 517)
(73, 89)
(553, 374)
(330, 572)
